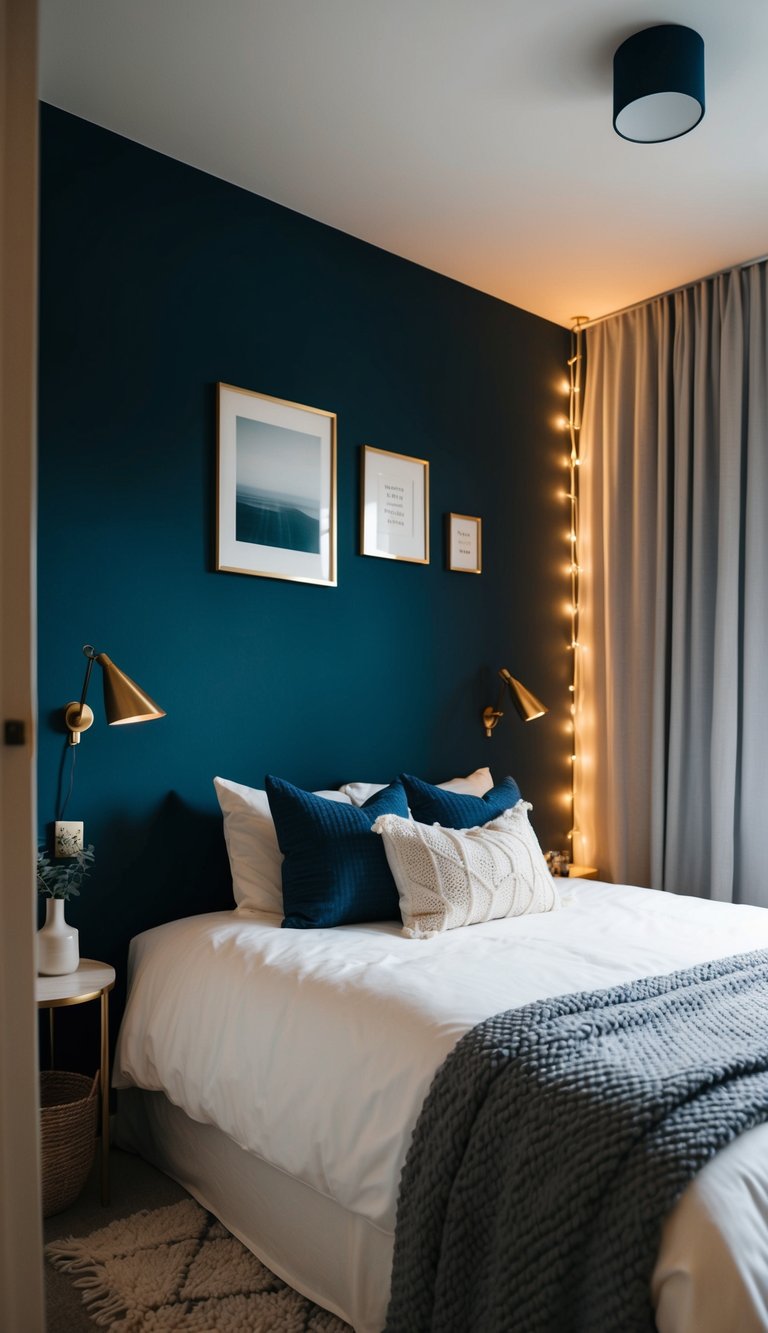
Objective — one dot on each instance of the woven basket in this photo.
(69, 1110)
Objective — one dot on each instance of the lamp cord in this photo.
(73, 751)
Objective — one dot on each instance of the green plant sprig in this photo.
(63, 880)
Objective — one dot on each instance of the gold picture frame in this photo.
(464, 543)
(275, 488)
(394, 506)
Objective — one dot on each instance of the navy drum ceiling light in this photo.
(658, 84)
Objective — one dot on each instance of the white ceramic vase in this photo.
(58, 949)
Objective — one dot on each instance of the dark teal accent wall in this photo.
(156, 281)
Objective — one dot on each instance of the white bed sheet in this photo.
(314, 1049)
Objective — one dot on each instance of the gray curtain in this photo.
(672, 686)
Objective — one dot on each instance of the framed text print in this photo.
(465, 543)
(276, 500)
(394, 506)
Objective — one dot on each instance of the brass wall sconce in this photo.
(527, 705)
(124, 700)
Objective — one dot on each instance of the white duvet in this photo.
(315, 1049)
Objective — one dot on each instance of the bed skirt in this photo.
(344, 1260)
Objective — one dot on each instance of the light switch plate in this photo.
(67, 837)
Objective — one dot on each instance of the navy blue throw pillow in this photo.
(335, 870)
(452, 809)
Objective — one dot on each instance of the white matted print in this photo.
(394, 506)
(465, 543)
(276, 505)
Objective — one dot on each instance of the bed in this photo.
(279, 1073)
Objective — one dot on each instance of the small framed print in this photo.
(465, 544)
(276, 480)
(394, 506)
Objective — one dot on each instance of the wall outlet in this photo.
(67, 837)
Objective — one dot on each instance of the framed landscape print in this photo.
(276, 488)
(394, 506)
(465, 543)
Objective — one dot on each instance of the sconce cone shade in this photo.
(527, 705)
(658, 84)
(124, 700)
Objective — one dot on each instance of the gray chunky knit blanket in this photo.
(555, 1139)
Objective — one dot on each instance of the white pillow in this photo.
(457, 877)
(475, 784)
(254, 856)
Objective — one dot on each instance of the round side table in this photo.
(91, 981)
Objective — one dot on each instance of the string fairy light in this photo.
(573, 426)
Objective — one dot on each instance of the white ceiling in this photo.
(472, 136)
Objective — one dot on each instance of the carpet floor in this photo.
(154, 1260)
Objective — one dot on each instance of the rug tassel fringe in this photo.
(72, 1262)
(102, 1304)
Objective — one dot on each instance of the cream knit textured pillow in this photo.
(458, 877)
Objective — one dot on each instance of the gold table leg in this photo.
(104, 1080)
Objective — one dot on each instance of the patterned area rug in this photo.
(177, 1270)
